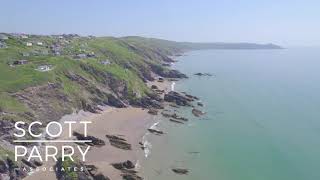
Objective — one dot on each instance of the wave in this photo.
(172, 86)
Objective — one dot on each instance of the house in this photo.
(81, 56)
(24, 36)
(2, 45)
(29, 44)
(39, 43)
(44, 68)
(3, 37)
(20, 62)
(105, 62)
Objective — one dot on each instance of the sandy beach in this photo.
(129, 123)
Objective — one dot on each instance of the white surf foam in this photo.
(172, 86)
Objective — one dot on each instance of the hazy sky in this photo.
(285, 22)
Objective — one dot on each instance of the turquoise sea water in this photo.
(262, 122)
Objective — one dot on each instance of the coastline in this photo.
(130, 123)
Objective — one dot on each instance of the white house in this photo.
(29, 44)
(44, 68)
(24, 36)
(39, 43)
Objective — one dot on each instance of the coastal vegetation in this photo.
(43, 78)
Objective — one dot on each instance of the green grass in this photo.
(10, 104)
(127, 65)
(70, 173)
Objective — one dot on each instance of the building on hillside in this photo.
(39, 43)
(3, 45)
(105, 62)
(20, 62)
(44, 68)
(29, 44)
(3, 37)
(24, 36)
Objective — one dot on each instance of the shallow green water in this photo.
(262, 122)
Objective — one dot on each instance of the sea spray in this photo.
(172, 86)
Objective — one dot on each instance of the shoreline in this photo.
(130, 123)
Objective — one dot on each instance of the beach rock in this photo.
(123, 165)
(180, 171)
(178, 98)
(176, 121)
(197, 112)
(100, 177)
(131, 177)
(128, 164)
(37, 163)
(174, 116)
(29, 163)
(200, 104)
(154, 131)
(154, 87)
(153, 111)
(95, 141)
(118, 142)
(203, 74)
(4, 168)
(160, 80)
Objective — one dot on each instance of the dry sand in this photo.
(131, 123)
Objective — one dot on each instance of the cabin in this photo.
(20, 62)
(39, 43)
(44, 68)
(29, 44)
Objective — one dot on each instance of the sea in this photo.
(262, 118)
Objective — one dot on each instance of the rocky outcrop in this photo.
(127, 170)
(197, 112)
(118, 142)
(155, 131)
(10, 170)
(94, 141)
(153, 111)
(176, 121)
(180, 171)
(174, 116)
(203, 74)
(177, 98)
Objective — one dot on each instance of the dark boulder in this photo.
(118, 142)
(178, 98)
(180, 171)
(94, 141)
(197, 112)
(153, 111)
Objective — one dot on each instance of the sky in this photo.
(283, 22)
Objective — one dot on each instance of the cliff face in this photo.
(83, 73)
